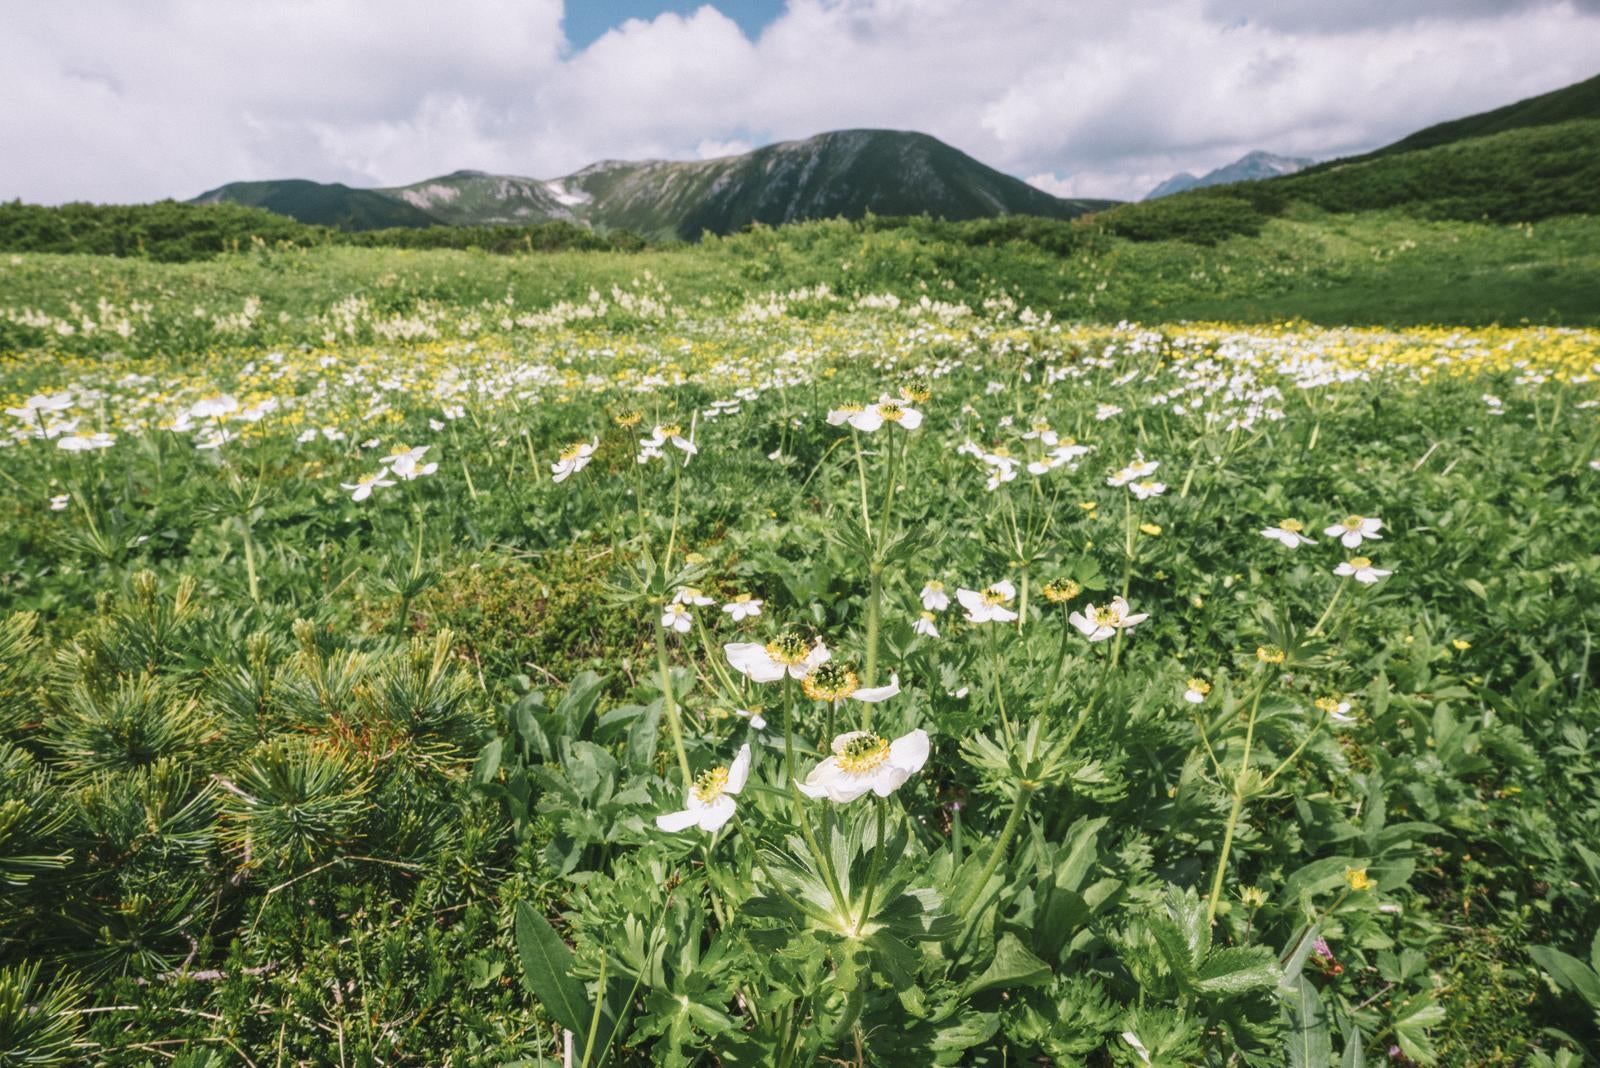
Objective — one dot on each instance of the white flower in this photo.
(213, 439)
(1102, 412)
(934, 599)
(864, 761)
(214, 407)
(873, 416)
(59, 504)
(925, 625)
(841, 415)
(1338, 711)
(743, 607)
(42, 402)
(1097, 624)
(675, 616)
(362, 487)
(688, 595)
(1042, 433)
(1352, 529)
(1288, 534)
(573, 459)
(757, 720)
(988, 605)
(1594, 464)
(81, 443)
(786, 654)
(1360, 568)
(650, 452)
(407, 463)
(835, 681)
(1146, 489)
(709, 803)
(1195, 691)
(672, 432)
(1140, 468)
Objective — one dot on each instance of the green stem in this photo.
(671, 703)
(869, 673)
(861, 476)
(1326, 612)
(1237, 805)
(994, 677)
(876, 866)
(1014, 821)
(250, 559)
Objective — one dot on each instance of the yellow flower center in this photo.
(1270, 654)
(1152, 529)
(1360, 562)
(928, 617)
(891, 411)
(573, 451)
(830, 682)
(916, 390)
(861, 753)
(1358, 879)
(1060, 591)
(1327, 704)
(1200, 686)
(711, 784)
(995, 595)
(788, 649)
(1040, 428)
(849, 409)
(627, 418)
(1352, 522)
(742, 598)
(935, 587)
(671, 430)
(1293, 526)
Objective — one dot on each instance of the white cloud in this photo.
(114, 101)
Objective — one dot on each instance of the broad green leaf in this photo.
(1237, 969)
(1569, 972)
(1354, 1055)
(547, 971)
(1306, 1040)
(1013, 966)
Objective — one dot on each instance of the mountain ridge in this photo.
(843, 173)
(1250, 167)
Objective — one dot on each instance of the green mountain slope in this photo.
(1580, 101)
(1521, 175)
(848, 173)
(473, 198)
(321, 203)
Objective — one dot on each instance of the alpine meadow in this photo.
(833, 604)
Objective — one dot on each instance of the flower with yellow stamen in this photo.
(708, 803)
(862, 762)
(1061, 590)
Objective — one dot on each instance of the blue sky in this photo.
(586, 20)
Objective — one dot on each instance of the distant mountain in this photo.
(321, 204)
(846, 173)
(1248, 168)
(473, 198)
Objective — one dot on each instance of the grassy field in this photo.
(843, 644)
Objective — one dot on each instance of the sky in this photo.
(135, 100)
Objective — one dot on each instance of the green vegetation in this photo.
(333, 725)
(322, 204)
(1521, 175)
(1580, 101)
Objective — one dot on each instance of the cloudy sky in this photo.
(142, 99)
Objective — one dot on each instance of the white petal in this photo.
(971, 600)
(1001, 615)
(887, 779)
(677, 821)
(1005, 589)
(867, 420)
(909, 751)
(874, 694)
(752, 660)
(911, 419)
(739, 770)
(717, 813)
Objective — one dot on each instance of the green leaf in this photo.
(1306, 1039)
(1569, 972)
(1411, 1024)
(488, 765)
(1354, 1055)
(547, 971)
(1237, 969)
(1014, 965)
